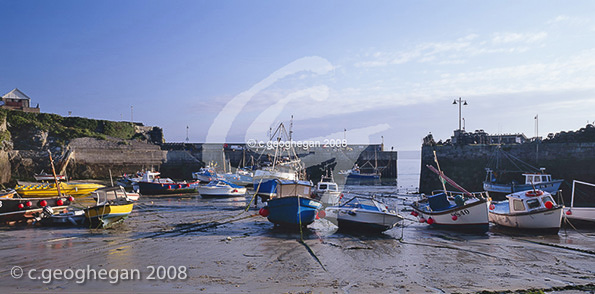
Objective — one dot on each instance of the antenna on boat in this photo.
(291, 128)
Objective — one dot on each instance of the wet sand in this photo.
(223, 249)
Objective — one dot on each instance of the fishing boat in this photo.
(467, 212)
(221, 188)
(152, 184)
(459, 211)
(111, 208)
(14, 209)
(363, 214)
(584, 211)
(327, 191)
(51, 189)
(206, 174)
(355, 173)
(541, 181)
(531, 209)
(43, 176)
(503, 175)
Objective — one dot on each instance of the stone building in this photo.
(17, 100)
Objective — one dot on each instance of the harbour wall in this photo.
(90, 158)
(465, 164)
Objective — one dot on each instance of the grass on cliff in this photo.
(64, 129)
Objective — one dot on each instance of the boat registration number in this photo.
(461, 212)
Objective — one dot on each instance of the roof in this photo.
(16, 94)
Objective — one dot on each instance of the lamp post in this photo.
(461, 102)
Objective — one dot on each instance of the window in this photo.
(518, 205)
(533, 203)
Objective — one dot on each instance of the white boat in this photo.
(206, 174)
(327, 192)
(531, 209)
(220, 188)
(456, 211)
(240, 177)
(460, 211)
(363, 214)
(580, 212)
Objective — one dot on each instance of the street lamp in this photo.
(461, 102)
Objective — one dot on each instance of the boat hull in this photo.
(221, 192)
(329, 198)
(548, 220)
(292, 210)
(10, 212)
(551, 187)
(149, 188)
(50, 190)
(362, 220)
(471, 217)
(107, 215)
(586, 214)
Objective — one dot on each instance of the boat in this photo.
(291, 210)
(504, 171)
(51, 189)
(583, 211)
(454, 211)
(69, 217)
(355, 173)
(112, 207)
(240, 177)
(206, 174)
(327, 191)
(365, 214)
(458, 211)
(43, 176)
(540, 180)
(221, 188)
(15, 209)
(152, 184)
(531, 209)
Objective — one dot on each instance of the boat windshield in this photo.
(533, 203)
(364, 203)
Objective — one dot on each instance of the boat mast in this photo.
(441, 173)
(54, 172)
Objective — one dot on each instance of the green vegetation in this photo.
(63, 129)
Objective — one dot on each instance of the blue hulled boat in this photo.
(292, 210)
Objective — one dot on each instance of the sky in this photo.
(359, 71)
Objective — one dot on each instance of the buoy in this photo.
(492, 206)
(59, 202)
(454, 217)
(414, 213)
(321, 214)
(43, 203)
(430, 221)
(422, 220)
(21, 205)
(569, 212)
(28, 203)
(549, 205)
(264, 212)
(71, 199)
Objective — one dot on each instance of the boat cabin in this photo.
(327, 186)
(531, 200)
(531, 179)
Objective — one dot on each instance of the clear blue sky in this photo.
(384, 69)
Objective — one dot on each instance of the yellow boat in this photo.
(50, 190)
(112, 207)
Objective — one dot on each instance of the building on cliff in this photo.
(17, 100)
